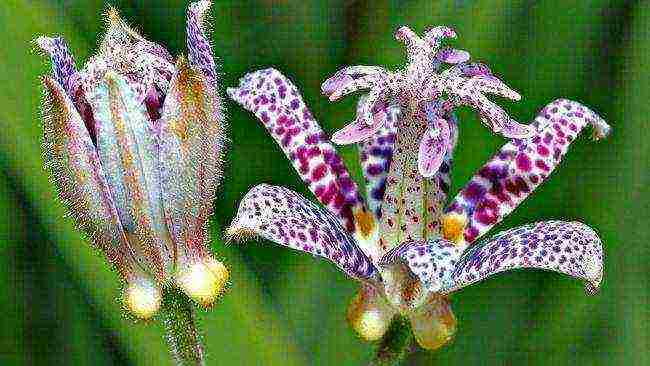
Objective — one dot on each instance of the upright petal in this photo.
(63, 64)
(276, 102)
(375, 155)
(192, 143)
(128, 150)
(520, 167)
(412, 204)
(570, 248)
(198, 43)
(75, 169)
(286, 218)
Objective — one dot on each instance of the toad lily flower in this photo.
(408, 254)
(422, 82)
(133, 144)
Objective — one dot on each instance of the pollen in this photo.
(142, 298)
(453, 226)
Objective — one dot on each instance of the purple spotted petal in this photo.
(430, 261)
(522, 165)
(198, 43)
(375, 155)
(433, 147)
(452, 56)
(63, 64)
(286, 218)
(275, 100)
(570, 248)
(71, 158)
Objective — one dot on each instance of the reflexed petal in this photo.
(571, 248)
(277, 103)
(434, 325)
(431, 261)
(63, 65)
(521, 166)
(198, 43)
(376, 154)
(75, 169)
(192, 143)
(286, 218)
(351, 79)
(369, 314)
(128, 152)
(433, 148)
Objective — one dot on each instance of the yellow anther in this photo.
(453, 226)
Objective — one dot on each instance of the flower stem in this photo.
(396, 344)
(180, 325)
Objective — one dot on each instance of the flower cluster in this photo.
(133, 142)
(406, 246)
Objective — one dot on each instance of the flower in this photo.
(408, 250)
(421, 84)
(133, 144)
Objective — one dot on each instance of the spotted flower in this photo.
(409, 250)
(133, 143)
(424, 82)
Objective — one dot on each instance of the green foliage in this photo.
(61, 301)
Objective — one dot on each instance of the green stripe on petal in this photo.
(128, 150)
(74, 167)
(192, 142)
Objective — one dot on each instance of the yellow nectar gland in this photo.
(142, 298)
(365, 221)
(453, 225)
(368, 317)
(203, 282)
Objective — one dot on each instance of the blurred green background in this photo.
(59, 301)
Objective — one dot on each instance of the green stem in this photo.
(396, 344)
(180, 325)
